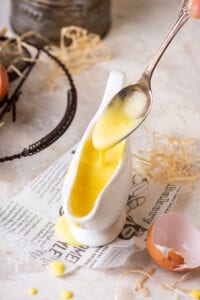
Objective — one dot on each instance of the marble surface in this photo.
(137, 30)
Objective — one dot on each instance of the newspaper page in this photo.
(27, 222)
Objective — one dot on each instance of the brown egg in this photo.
(4, 82)
(173, 243)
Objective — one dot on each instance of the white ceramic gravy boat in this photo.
(106, 219)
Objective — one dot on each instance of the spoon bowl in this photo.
(137, 101)
(124, 114)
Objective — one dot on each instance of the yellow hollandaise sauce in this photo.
(57, 268)
(118, 120)
(63, 229)
(94, 171)
(32, 291)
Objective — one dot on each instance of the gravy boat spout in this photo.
(96, 186)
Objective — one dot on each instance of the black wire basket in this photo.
(8, 104)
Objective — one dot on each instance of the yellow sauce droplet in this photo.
(63, 229)
(94, 171)
(32, 291)
(57, 268)
(66, 295)
(195, 294)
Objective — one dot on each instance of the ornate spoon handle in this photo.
(183, 17)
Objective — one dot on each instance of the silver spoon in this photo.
(142, 86)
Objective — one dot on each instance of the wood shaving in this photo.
(140, 284)
(15, 54)
(7, 48)
(19, 46)
(175, 286)
(11, 52)
(171, 159)
(79, 49)
(178, 291)
(184, 277)
(16, 70)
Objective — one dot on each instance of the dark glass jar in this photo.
(48, 16)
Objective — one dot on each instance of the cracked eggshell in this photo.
(4, 82)
(174, 243)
